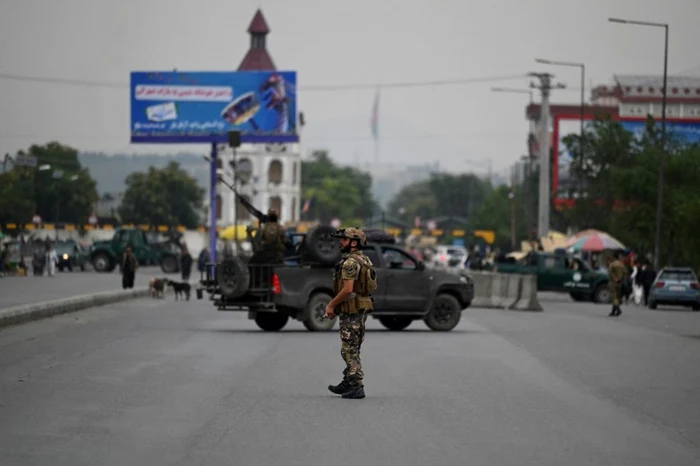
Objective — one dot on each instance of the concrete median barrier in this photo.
(527, 296)
(35, 311)
(504, 291)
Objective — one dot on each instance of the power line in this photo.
(341, 87)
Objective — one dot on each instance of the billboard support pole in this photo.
(213, 180)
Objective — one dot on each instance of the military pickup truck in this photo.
(272, 295)
(105, 255)
(562, 273)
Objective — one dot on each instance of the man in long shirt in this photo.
(128, 268)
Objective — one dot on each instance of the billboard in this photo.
(201, 107)
(563, 187)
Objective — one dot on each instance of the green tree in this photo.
(495, 214)
(441, 195)
(167, 196)
(17, 203)
(342, 192)
(620, 173)
(59, 188)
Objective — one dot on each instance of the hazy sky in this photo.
(332, 43)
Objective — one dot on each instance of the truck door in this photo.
(139, 244)
(407, 286)
(553, 272)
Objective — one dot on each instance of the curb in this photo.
(27, 312)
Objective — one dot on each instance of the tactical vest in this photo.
(272, 237)
(365, 285)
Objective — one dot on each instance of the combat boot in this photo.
(355, 393)
(339, 389)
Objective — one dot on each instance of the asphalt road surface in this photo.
(15, 291)
(157, 382)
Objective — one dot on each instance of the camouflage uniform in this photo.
(352, 313)
(617, 272)
(269, 241)
(273, 239)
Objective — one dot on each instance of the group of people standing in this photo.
(630, 280)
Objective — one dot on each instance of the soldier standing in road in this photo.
(617, 272)
(353, 282)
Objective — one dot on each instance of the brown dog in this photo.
(157, 287)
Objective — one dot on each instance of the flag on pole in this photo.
(308, 204)
(375, 117)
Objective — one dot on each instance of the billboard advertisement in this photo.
(563, 186)
(202, 107)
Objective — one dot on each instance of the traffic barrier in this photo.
(528, 300)
(483, 283)
(35, 311)
(504, 291)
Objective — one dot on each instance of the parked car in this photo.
(675, 286)
(450, 257)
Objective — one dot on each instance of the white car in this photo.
(450, 257)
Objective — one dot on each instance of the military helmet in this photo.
(355, 233)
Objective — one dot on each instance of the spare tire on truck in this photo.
(379, 236)
(320, 246)
(233, 277)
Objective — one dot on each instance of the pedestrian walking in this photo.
(185, 264)
(617, 273)
(51, 260)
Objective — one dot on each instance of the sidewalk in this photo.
(16, 291)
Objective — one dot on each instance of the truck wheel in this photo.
(169, 264)
(445, 313)
(321, 246)
(602, 294)
(395, 323)
(314, 312)
(271, 322)
(101, 262)
(233, 277)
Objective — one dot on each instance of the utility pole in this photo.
(545, 192)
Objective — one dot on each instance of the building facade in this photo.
(267, 175)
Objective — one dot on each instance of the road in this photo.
(176, 383)
(16, 291)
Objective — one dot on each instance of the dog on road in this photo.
(180, 288)
(157, 287)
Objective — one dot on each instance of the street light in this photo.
(583, 84)
(662, 156)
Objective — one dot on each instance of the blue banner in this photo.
(686, 131)
(202, 107)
